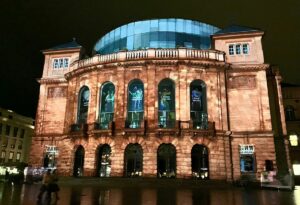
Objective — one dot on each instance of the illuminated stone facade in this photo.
(157, 112)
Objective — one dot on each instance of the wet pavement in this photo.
(90, 191)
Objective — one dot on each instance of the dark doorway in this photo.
(103, 161)
(133, 160)
(166, 161)
(200, 162)
(78, 162)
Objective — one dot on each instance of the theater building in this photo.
(159, 98)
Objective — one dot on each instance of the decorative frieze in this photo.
(242, 82)
(57, 92)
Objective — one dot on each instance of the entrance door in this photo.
(133, 160)
(200, 162)
(103, 161)
(78, 162)
(166, 161)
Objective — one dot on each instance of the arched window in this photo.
(198, 105)
(166, 104)
(200, 161)
(289, 113)
(103, 161)
(78, 161)
(107, 100)
(135, 104)
(133, 160)
(83, 105)
(166, 161)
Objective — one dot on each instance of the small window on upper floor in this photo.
(15, 131)
(7, 130)
(231, 49)
(60, 63)
(22, 133)
(245, 48)
(239, 49)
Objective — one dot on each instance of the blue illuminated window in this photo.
(107, 100)
(198, 105)
(166, 107)
(83, 104)
(135, 104)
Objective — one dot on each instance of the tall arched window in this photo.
(135, 104)
(290, 113)
(200, 162)
(198, 106)
(83, 105)
(166, 161)
(103, 160)
(78, 162)
(107, 102)
(166, 104)
(133, 160)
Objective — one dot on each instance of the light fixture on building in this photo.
(293, 140)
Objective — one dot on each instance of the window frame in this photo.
(60, 63)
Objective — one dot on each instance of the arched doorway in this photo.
(103, 161)
(166, 161)
(78, 161)
(133, 160)
(200, 166)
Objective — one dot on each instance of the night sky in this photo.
(27, 27)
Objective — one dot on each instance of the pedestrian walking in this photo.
(45, 182)
(53, 186)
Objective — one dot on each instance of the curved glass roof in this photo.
(157, 33)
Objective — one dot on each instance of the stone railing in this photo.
(177, 53)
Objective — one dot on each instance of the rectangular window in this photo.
(11, 155)
(61, 63)
(66, 62)
(231, 49)
(7, 131)
(22, 133)
(3, 154)
(55, 63)
(15, 131)
(245, 48)
(18, 157)
(238, 49)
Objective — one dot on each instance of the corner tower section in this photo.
(250, 137)
(51, 109)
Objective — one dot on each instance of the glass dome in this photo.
(157, 33)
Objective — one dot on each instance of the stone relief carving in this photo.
(57, 92)
(242, 82)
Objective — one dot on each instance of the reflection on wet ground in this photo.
(80, 194)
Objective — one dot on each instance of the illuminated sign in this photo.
(51, 149)
(246, 149)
